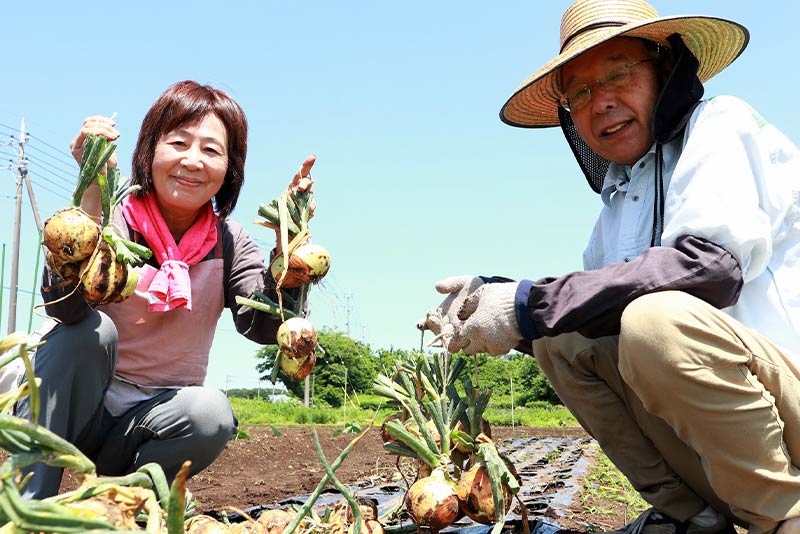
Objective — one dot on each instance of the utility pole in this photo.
(22, 172)
(22, 176)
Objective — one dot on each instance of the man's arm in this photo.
(591, 302)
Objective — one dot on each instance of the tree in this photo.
(533, 383)
(344, 363)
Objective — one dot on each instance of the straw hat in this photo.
(715, 43)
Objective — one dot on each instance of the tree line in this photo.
(351, 366)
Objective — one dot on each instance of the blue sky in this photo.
(417, 178)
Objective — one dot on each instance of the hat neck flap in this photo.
(594, 167)
(680, 93)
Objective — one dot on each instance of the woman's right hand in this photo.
(95, 125)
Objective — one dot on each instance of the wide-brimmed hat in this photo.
(714, 42)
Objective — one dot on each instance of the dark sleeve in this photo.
(62, 301)
(245, 272)
(591, 302)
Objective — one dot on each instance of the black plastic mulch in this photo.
(551, 470)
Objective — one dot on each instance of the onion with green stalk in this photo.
(82, 252)
(485, 490)
(300, 261)
(444, 434)
(70, 234)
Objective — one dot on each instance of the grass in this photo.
(292, 412)
(606, 487)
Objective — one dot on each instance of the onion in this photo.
(297, 337)
(103, 278)
(309, 263)
(70, 235)
(247, 527)
(275, 521)
(367, 507)
(432, 501)
(475, 494)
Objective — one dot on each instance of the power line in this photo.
(46, 168)
(71, 167)
(59, 150)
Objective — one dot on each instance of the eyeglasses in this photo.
(616, 79)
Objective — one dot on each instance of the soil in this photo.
(278, 463)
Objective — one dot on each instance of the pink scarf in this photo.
(171, 288)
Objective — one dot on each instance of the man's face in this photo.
(616, 121)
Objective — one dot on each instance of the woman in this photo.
(124, 381)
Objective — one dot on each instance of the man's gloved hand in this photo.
(457, 288)
(487, 321)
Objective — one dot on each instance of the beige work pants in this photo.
(692, 406)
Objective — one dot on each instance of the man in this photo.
(678, 348)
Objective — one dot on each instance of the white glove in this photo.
(488, 321)
(443, 319)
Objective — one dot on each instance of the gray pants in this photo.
(76, 365)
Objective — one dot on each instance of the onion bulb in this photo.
(475, 494)
(309, 263)
(70, 235)
(103, 278)
(297, 337)
(432, 501)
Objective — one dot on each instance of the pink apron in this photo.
(169, 348)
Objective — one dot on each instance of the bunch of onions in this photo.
(91, 256)
(442, 430)
(297, 264)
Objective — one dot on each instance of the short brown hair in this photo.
(187, 102)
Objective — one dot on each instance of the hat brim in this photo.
(715, 42)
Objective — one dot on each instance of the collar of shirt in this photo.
(619, 175)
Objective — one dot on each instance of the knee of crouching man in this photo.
(649, 331)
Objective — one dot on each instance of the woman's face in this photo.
(189, 166)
